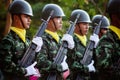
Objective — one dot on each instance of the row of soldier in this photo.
(106, 50)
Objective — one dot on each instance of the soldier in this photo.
(51, 43)
(103, 29)
(108, 49)
(104, 25)
(15, 43)
(75, 55)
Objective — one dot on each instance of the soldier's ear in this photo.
(16, 18)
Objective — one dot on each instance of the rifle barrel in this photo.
(29, 55)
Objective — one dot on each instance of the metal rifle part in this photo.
(60, 55)
(88, 54)
(29, 55)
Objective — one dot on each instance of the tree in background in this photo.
(67, 6)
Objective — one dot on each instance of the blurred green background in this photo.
(93, 7)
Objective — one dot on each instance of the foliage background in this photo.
(93, 7)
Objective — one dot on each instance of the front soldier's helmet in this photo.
(57, 11)
(113, 7)
(20, 7)
(96, 19)
(84, 17)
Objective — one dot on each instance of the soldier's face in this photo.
(58, 23)
(84, 27)
(26, 20)
(102, 32)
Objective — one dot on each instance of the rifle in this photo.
(30, 53)
(60, 55)
(89, 49)
(88, 54)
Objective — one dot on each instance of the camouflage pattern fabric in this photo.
(107, 55)
(12, 48)
(46, 57)
(73, 60)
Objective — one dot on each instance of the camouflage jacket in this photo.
(12, 48)
(73, 60)
(46, 56)
(107, 55)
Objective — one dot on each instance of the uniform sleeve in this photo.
(6, 57)
(104, 52)
(46, 56)
(74, 57)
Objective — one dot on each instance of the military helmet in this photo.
(113, 6)
(84, 17)
(96, 19)
(20, 7)
(57, 11)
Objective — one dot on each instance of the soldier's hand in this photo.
(64, 64)
(69, 39)
(39, 42)
(91, 67)
(35, 76)
(94, 38)
(31, 70)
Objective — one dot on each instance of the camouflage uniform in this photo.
(12, 48)
(107, 55)
(46, 56)
(73, 60)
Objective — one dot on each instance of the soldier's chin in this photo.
(27, 27)
(85, 33)
(60, 28)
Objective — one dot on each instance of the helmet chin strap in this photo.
(54, 24)
(100, 34)
(79, 29)
(21, 21)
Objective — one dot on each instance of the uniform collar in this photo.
(83, 39)
(20, 32)
(116, 30)
(53, 34)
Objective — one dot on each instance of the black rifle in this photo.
(88, 54)
(60, 55)
(29, 55)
